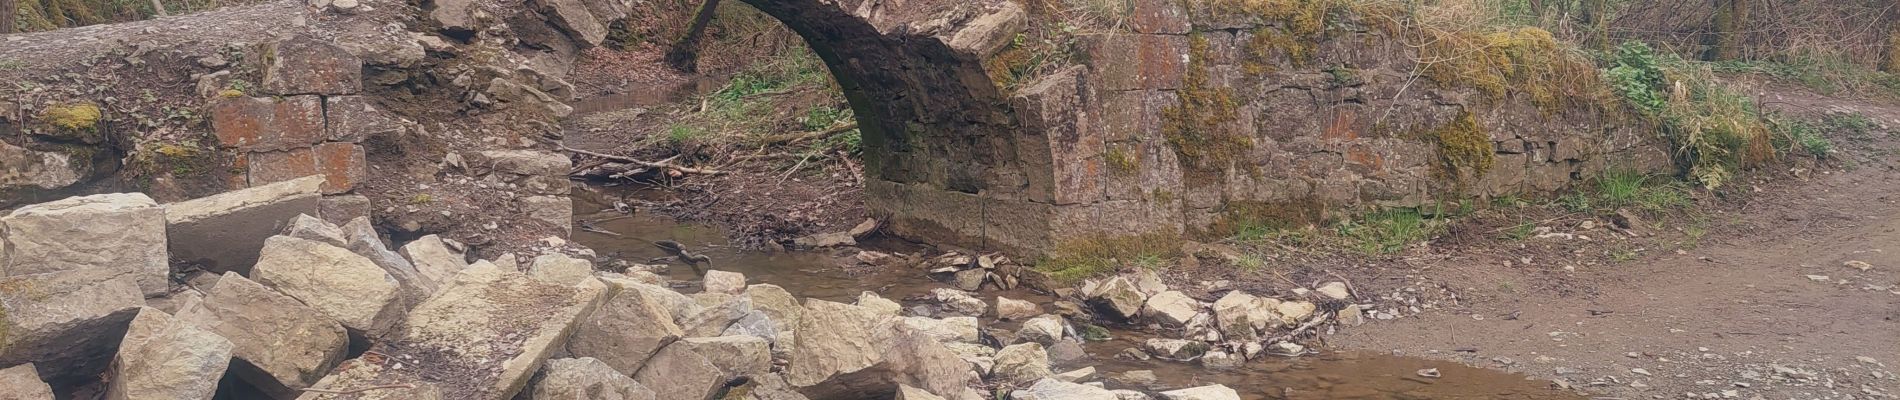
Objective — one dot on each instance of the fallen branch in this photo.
(645, 163)
(361, 389)
(790, 138)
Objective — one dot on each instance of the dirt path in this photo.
(1765, 308)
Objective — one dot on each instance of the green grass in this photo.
(1083, 258)
(1520, 231)
(1618, 189)
(1389, 230)
(1824, 74)
(1250, 262)
(678, 134)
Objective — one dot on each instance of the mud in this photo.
(828, 275)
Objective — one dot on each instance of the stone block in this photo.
(304, 65)
(22, 168)
(120, 232)
(585, 379)
(277, 166)
(22, 382)
(485, 334)
(354, 118)
(163, 358)
(678, 372)
(1053, 106)
(279, 344)
(1136, 61)
(340, 209)
(347, 287)
(433, 259)
(67, 322)
(343, 165)
(986, 34)
(557, 211)
(573, 17)
(847, 351)
(224, 232)
(268, 124)
(1159, 16)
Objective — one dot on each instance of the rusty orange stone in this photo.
(279, 166)
(343, 165)
(258, 124)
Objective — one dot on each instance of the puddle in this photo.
(1332, 375)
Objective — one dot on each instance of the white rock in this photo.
(343, 285)
(717, 281)
(67, 322)
(1334, 290)
(1054, 389)
(1021, 363)
(22, 382)
(1118, 298)
(1171, 308)
(433, 258)
(948, 330)
(162, 358)
(288, 345)
(586, 379)
(629, 327)
(1174, 349)
(1295, 312)
(121, 232)
(958, 303)
(1209, 392)
(879, 304)
(1009, 309)
(1045, 329)
(561, 269)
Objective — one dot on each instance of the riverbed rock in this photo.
(877, 303)
(1021, 363)
(22, 382)
(1209, 392)
(1076, 375)
(122, 232)
(433, 258)
(1045, 329)
(222, 232)
(847, 351)
(280, 344)
(1295, 312)
(67, 322)
(1009, 309)
(1067, 351)
(162, 358)
(958, 303)
(561, 269)
(585, 378)
(1218, 359)
(948, 330)
(822, 240)
(628, 328)
(717, 281)
(1055, 389)
(343, 285)
(1171, 308)
(1125, 394)
(1118, 298)
(969, 279)
(490, 328)
(777, 304)
(1244, 317)
(1174, 349)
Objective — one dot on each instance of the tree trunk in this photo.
(684, 56)
(1731, 19)
(158, 8)
(8, 9)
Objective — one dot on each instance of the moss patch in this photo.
(1465, 151)
(1195, 126)
(1268, 44)
(1087, 257)
(1239, 217)
(1526, 61)
(73, 116)
(1121, 162)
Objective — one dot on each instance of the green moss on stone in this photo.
(1465, 151)
(72, 116)
(1195, 126)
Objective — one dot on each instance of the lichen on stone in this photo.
(1194, 126)
(1121, 162)
(1465, 151)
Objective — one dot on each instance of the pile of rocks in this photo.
(326, 311)
(1223, 333)
(974, 272)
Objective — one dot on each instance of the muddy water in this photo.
(1331, 375)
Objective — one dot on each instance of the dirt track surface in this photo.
(1770, 305)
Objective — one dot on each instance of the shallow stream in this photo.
(815, 274)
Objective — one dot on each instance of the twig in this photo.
(1349, 289)
(645, 163)
(851, 166)
(361, 389)
(796, 137)
(795, 167)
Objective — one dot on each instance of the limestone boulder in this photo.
(628, 328)
(1174, 349)
(717, 281)
(848, 351)
(1046, 330)
(66, 322)
(735, 356)
(1054, 389)
(358, 370)
(1209, 392)
(777, 304)
(988, 33)
(433, 258)
(541, 172)
(878, 304)
(223, 232)
(280, 345)
(714, 320)
(343, 285)
(1295, 312)
(1171, 308)
(456, 17)
(757, 324)
(121, 232)
(906, 392)
(573, 17)
(585, 379)
(947, 330)
(311, 228)
(482, 336)
(1118, 298)
(1242, 316)
(163, 358)
(1009, 309)
(1334, 290)
(677, 372)
(561, 269)
(22, 382)
(1021, 363)
(954, 302)
(363, 240)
